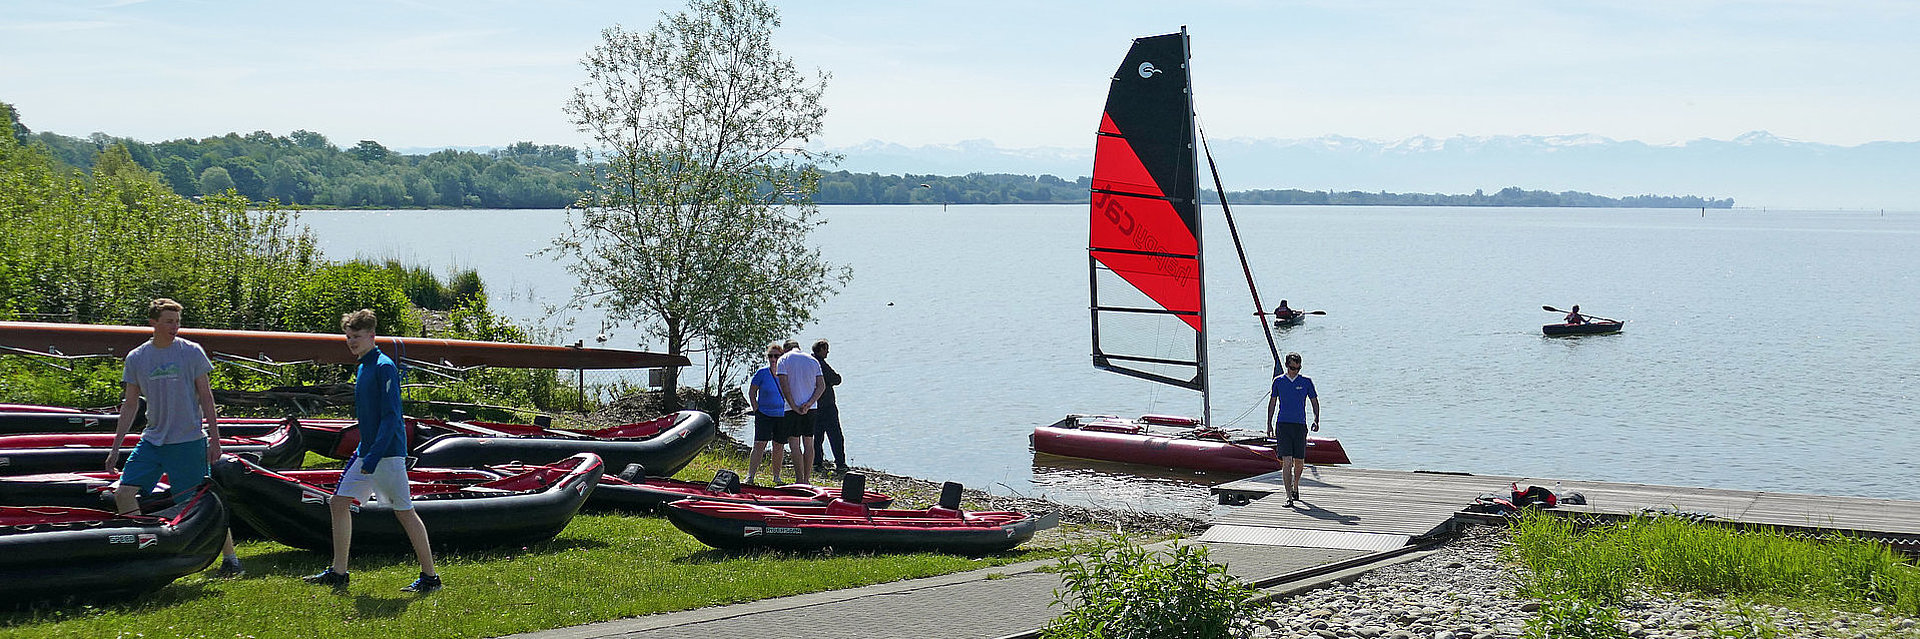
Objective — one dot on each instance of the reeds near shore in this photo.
(1604, 563)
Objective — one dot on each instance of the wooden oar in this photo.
(1603, 319)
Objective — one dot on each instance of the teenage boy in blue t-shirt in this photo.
(1287, 422)
(379, 464)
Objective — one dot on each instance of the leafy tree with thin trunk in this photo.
(696, 227)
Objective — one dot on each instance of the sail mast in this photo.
(1199, 241)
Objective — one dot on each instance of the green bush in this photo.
(1565, 616)
(316, 303)
(1123, 590)
(465, 288)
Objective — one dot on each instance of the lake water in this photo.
(1769, 350)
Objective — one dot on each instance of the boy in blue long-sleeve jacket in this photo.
(379, 465)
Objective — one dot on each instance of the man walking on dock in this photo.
(1287, 422)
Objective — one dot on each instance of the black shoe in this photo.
(229, 569)
(329, 578)
(425, 584)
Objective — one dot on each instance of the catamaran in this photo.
(1146, 281)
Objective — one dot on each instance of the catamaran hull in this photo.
(1171, 450)
(107, 556)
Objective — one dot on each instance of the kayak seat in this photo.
(844, 508)
(945, 513)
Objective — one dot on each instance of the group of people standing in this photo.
(794, 411)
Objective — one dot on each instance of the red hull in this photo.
(325, 348)
(1171, 447)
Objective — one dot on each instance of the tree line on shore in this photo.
(306, 169)
(95, 245)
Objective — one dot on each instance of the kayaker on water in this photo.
(1574, 316)
(1286, 422)
(1282, 312)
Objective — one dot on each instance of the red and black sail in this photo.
(1144, 241)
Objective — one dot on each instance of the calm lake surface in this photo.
(1769, 350)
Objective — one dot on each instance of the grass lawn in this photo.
(604, 566)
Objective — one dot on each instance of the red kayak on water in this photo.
(1171, 442)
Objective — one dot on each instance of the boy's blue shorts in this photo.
(184, 464)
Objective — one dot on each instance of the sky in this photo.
(457, 73)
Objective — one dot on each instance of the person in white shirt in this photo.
(802, 383)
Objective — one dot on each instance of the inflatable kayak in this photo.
(634, 490)
(65, 452)
(1586, 328)
(463, 509)
(1171, 442)
(663, 445)
(21, 422)
(50, 552)
(845, 525)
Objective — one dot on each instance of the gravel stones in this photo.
(1465, 591)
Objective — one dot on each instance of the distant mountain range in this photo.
(1756, 169)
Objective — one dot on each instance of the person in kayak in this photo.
(378, 466)
(173, 375)
(1282, 312)
(1574, 316)
(1287, 422)
(769, 415)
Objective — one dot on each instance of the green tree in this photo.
(215, 180)
(699, 120)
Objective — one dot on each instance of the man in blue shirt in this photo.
(379, 465)
(1287, 422)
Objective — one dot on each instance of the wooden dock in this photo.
(1362, 509)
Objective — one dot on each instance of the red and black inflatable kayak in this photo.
(80, 489)
(662, 445)
(22, 422)
(634, 490)
(844, 525)
(65, 452)
(463, 509)
(50, 552)
(1171, 442)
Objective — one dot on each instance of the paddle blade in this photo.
(1551, 309)
(1316, 312)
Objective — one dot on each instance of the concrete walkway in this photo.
(990, 603)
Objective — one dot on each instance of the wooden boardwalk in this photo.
(1377, 509)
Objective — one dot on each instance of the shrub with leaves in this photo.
(1122, 590)
(1567, 616)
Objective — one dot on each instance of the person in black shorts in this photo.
(769, 416)
(1287, 422)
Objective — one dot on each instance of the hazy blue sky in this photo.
(424, 73)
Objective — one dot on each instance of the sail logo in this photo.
(1147, 69)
